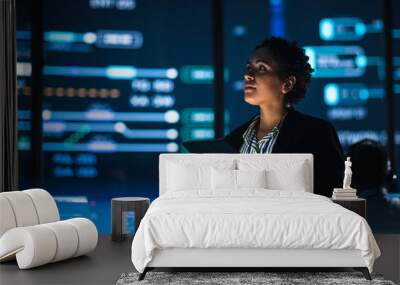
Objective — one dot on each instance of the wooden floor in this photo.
(111, 259)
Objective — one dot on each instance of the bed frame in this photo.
(240, 259)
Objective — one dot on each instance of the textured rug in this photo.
(228, 278)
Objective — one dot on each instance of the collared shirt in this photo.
(250, 142)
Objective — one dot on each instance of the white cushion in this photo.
(67, 240)
(87, 235)
(7, 218)
(292, 179)
(32, 246)
(251, 178)
(223, 179)
(228, 179)
(45, 205)
(281, 174)
(26, 208)
(40, 244)
(193, 176)
(23, 208)
(182, 177)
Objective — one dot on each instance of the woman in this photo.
(277, 77)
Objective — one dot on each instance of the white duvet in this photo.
(253, 218)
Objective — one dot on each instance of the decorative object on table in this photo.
(126, 214)
(31, 231)
(243, 278)
(347, 192)
(347, 174)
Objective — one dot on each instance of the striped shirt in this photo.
(250, 142)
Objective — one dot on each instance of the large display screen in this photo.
(126, 80)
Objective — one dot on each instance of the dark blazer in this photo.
(301, 133)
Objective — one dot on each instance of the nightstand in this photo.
(125, 210)
(357, 205)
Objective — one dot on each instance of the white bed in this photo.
(248, 211)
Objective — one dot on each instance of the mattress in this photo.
(251, 219)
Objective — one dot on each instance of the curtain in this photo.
(8, 98)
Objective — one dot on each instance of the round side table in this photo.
(122, 209)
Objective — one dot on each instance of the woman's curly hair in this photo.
(290, 60)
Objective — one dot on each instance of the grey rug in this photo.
(225, 278)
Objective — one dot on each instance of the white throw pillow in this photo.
(251, 178)
(182, 177)
(190, 176)
(228, 179)
(281, 174)
(292, 179)
(223, 179)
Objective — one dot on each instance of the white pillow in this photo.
(281, 174)
(193, 176)
(182, 177)
(292, 179)
(251, 178)
(223, 179)
(228, 179)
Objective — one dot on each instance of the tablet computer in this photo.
(209, 146)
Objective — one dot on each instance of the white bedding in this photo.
(251, 218)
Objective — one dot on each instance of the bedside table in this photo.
(357, 205)
(121, 208)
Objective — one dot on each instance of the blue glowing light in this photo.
(121, 72)
(111, 72)
(364, 94)
(342, 29)
(60, 37)
(276, 16)
(361, 61)
(171, 116)
(334, 61)
(109, 147)
(360, 28)
(326, 29)
(331, 94)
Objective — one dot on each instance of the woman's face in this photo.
(261, 82)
